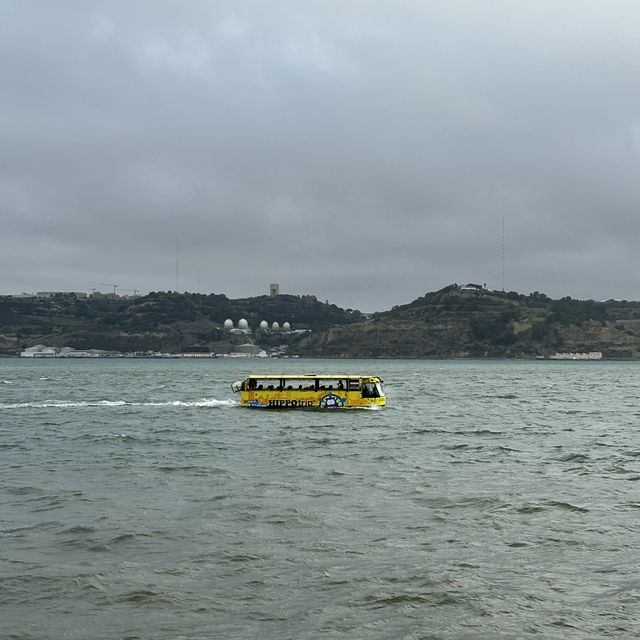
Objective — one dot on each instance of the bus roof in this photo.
(308, 376)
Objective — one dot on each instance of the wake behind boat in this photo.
(310, 391)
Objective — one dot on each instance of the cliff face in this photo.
(479, 324)
(450, 323)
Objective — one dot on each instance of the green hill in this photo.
(157, 322)
(451, 323)
(454, 323)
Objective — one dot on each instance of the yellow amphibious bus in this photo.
(310, 391)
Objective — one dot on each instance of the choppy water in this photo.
(488, 500)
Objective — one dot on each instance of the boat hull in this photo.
(295, 399)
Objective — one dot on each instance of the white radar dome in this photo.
(243, 324)
(275, 326)
(228, 324)
(263, 325)
(286, 327)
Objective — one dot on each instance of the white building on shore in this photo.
(591, 355)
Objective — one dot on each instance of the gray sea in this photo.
(487, 500)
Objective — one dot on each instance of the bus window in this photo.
(369, 390)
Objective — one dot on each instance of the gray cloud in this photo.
(364, 153)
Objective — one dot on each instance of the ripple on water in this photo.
(488, 498)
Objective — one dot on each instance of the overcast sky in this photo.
(365, 152)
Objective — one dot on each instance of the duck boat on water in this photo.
(310, 391)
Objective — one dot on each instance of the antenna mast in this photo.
(177, 263)
(502, 254)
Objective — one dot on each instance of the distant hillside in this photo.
(454, 323)
(156, 322)
(450, 323)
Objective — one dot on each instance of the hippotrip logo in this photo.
(289, 403)
(331, 401)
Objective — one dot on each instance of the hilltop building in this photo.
(54, 294)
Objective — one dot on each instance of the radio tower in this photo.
(177, 264)
(502, 254)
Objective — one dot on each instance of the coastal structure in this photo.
(43, 351)
(591, 355)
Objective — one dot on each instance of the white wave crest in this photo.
(59, 404)
(210, 402)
